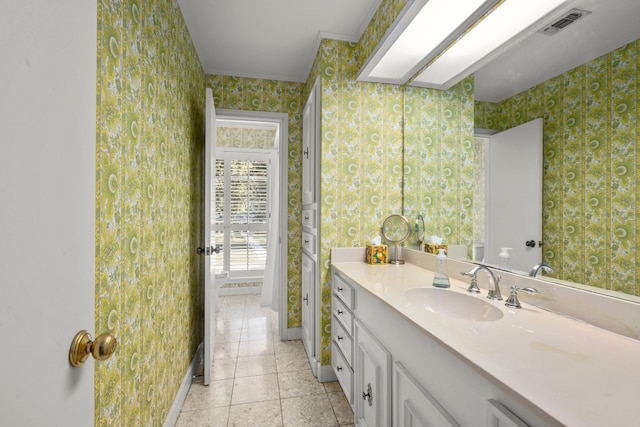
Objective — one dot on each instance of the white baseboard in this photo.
(291, 334)
(326, 373)
(174, 412)
(253, 290)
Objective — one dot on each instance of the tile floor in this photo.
(258, 380)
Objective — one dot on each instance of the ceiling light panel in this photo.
(501, 29)
(419, 34)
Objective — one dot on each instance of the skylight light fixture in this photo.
(424, 28)
(506, 25)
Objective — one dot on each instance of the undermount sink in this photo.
(454, 304)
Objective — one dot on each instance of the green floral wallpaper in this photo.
(382, 20)
(150, 102)
(361, 160)
(591, 174)
(233, 137)
(236, 93)
(438, 169)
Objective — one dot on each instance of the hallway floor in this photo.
(258, 380)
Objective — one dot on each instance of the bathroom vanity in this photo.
(406, 353)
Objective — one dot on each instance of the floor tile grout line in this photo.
(271, 337)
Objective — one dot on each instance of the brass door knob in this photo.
(82, 346)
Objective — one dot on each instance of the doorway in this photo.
(250, 222)
(242, 189)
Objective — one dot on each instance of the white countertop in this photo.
(572, 372)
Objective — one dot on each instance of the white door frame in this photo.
(283, 172)
(210, 294)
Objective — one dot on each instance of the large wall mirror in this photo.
(583, 83)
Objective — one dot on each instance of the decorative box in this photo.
(376, 254)
(433, 248)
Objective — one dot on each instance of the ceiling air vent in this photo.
(563, 22)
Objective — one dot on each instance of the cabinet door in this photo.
(309, 142)
(501, 416)
(413, 406)
(308, 270)
(372, 380)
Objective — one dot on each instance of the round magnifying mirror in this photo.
(396, 230)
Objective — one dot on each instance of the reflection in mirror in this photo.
(513, 197)
(396, 230)
(590, 216)
(419, 230)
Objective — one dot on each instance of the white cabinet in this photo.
(394, 374)
(413, 406)
(309, 243)
(372, 376)
(342, 334)
(311, 235)
(308, 302)
(310, 144)
(501, 416)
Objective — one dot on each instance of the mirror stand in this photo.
(395, 230)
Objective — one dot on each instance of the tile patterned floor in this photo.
(258, 380)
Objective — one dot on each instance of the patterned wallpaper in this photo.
(234, 137)
(438, 169)
(150, 102)
(382, 20)
(361, 161)
(591, 174)
(279, 97)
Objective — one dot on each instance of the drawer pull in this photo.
(340, 289)
(340, 312)
(306, 242)
(306, 218)
(339, 368)
(368, 395)
(340, 338)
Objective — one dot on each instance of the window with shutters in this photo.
(240, 220)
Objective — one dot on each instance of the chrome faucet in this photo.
(513, 301)
(493, 282)
(537, 267)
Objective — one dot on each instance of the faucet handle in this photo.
(473, 286)
(513, 301)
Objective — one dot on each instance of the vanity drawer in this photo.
(344, 291)
(309, 218)
(308, 242)
(343, 372)
(343, 315)
(343, 340)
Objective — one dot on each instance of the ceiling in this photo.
(278, 39)
(539, 57)
(270, 39)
